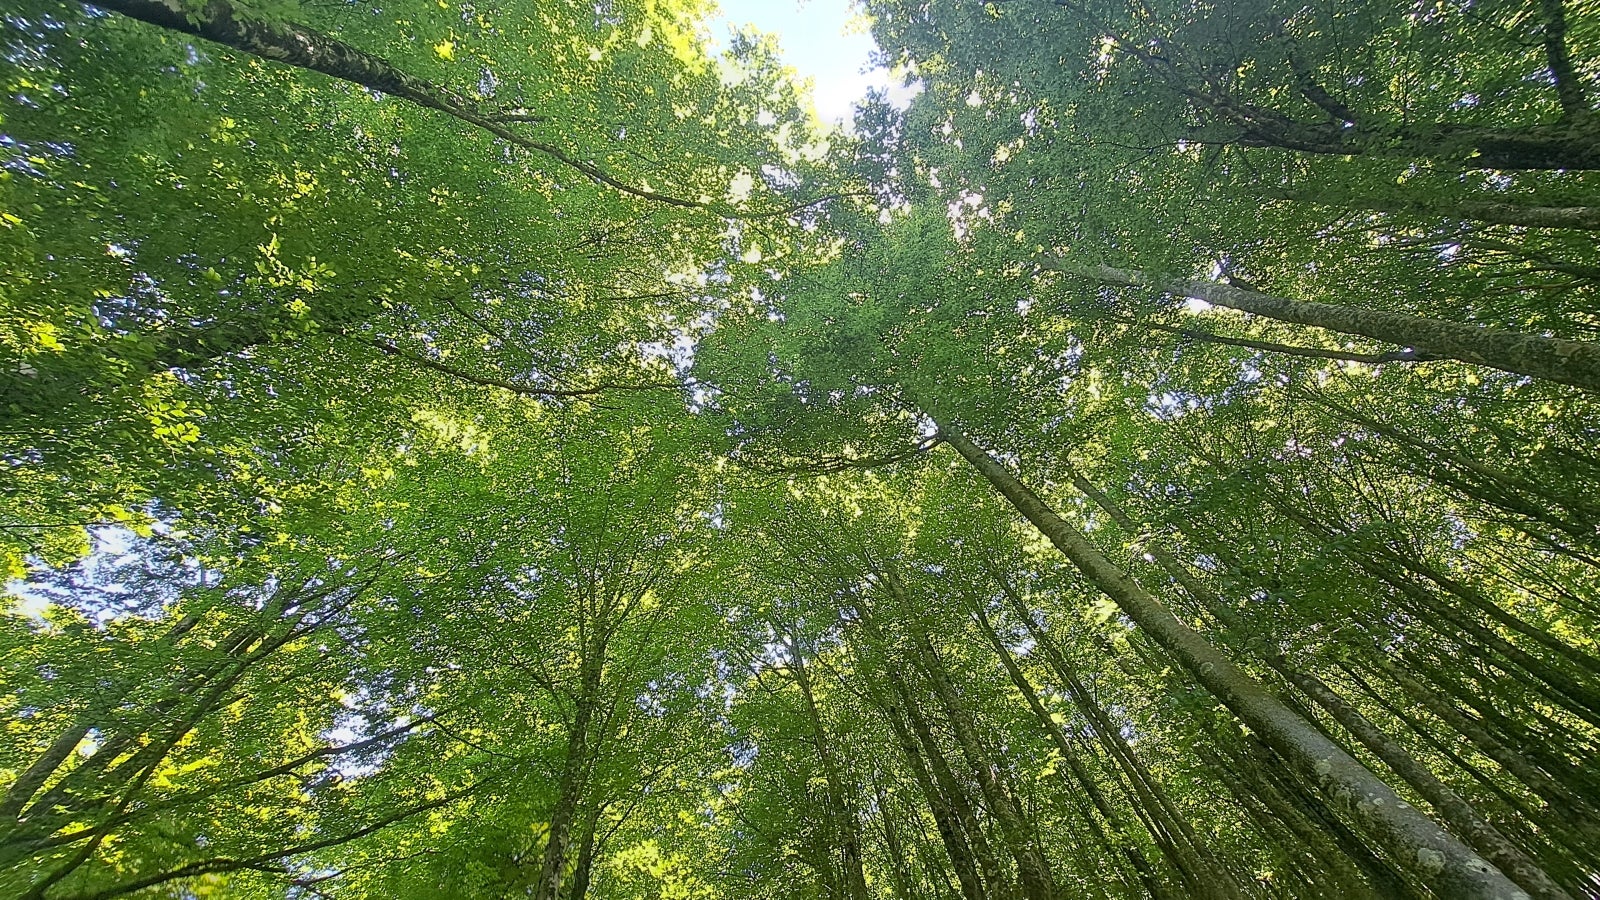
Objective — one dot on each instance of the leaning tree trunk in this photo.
(951, 831)
(1462, 817)
(1033, 870)
(1433, 855)
(1576, 363)
(1078, 777)
(574, 783)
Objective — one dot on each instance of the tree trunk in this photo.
(1032, 868)
(951, 832)
(1455, 811)
(846, 826)
(1432, 854)
(574, 782)
(1168, 825)
(905, 887)
(583, 868)
(1069, 757)
(1247, 770)
(296, 45)
(1575, 363)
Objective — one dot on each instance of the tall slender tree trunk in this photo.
(997, 884)
(1557, 792)
(571, 788)
(1080, 777)
(1556, 682)
(1247, 770)
(583, 867)
(846, 827)
(1562, 507)
(951, 832)
(1455, 811)
(1033, 869)
(1433, 855)
(45, 765)
(905, 885)
(1569, 825)
(1205, 877)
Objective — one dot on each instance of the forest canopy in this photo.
(476, 449)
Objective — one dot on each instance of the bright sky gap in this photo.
(826, 41)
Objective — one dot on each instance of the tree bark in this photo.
(951, 831)
(583, 867)
(1033, 869)
(1168, 825)
(1567, 144)
(1466, 821)
(1433, 855)
(574, 781)
(296, 45)
(904, 885)
(1575, 363)
(1569, 84)
(1069, 757)
(1560, 145)
(840, 811)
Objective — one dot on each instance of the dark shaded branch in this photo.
(1569, 144)
(525, 390)
(287, 768)
(1537, 262)
(263, 862)
(482, 325)
(29, 525)
(1315, 92)
(1574, 105)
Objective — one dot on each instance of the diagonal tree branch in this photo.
(296, 45)
(265, 861)
(1575, 363)
(1371, 359)
(523, 389)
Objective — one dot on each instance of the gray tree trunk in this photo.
(1434, 856)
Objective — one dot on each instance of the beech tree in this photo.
(471, 451)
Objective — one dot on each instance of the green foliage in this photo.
(398, 510)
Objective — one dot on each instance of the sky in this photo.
(824, 40)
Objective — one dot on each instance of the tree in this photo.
(473, 451)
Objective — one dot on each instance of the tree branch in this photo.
(1569, 88)
(296, 45)
(1371, 359)
(1575, 363)
(261, 861)
(512, 386)
(1315, 92)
